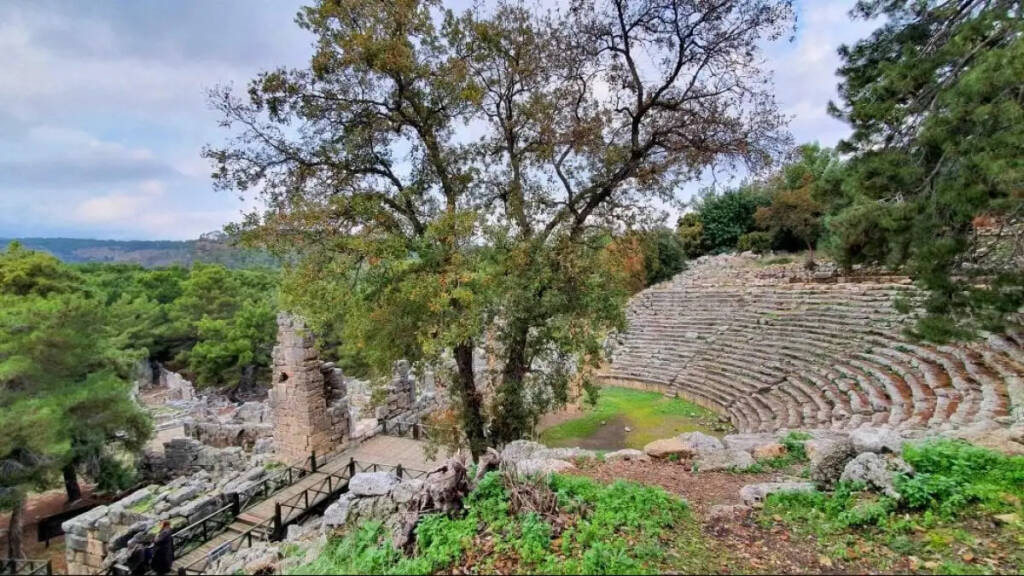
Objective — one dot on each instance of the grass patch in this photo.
(621, 528)
(650, 415)
(945, 516)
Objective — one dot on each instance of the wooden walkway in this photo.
(257, 521)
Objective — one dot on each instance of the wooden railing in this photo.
(286, 512)
(23, 566)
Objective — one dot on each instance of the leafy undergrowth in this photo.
(589, 528)
(960, 513)
(650, 415)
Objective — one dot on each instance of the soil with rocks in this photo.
(741, 545)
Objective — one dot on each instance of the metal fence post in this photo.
(312, 461)
(398, 470)
(236, 504)
(416, 431)
(351, 467)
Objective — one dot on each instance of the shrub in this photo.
(756, 242)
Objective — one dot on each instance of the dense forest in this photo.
(72, 337)
(212, 248)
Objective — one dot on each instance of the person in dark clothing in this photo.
(136, 562)
(163, 550)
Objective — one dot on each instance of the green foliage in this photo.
(691, 234)
(728, 215)
(615, 529)
(951, 475)
(756, 242)
(951, 479)
(937, 151)
(944, 509)
(664, 255)
(64, 373)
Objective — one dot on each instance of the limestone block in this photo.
(754, 494)
(667, 447)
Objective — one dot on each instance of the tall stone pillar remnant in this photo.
(301, 421)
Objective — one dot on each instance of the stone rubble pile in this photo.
(106, 535)
(775, 347)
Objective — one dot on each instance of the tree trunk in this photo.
(472, 413)
(512, 420)
(14, 546)
(71, 483)
(810, 264)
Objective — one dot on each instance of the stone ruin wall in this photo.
(310, 411)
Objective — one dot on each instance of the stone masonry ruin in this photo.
(776, 347)
(310, 410)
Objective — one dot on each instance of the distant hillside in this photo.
(212, 247)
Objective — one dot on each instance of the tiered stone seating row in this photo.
(771, 353)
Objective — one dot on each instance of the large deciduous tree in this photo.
(936, 177)
(448, 178)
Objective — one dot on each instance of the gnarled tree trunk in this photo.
(71, 483)
(472, 411)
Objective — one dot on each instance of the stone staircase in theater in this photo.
(775, 347)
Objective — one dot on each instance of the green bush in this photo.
(756, 242)
(614, 529)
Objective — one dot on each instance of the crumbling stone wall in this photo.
(304, 419)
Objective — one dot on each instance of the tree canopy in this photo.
(937, 154)
(440, 241)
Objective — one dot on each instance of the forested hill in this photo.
(211, 248)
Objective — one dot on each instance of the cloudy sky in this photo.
(103, 107)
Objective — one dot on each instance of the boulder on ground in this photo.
(721, 516)
(542, 466)
(564, 453)
(337, 513)
(747, 442)
(876, 472)
(754, 494)
(828, 458)
(723, 460)
(406, 491)
(769, 451)
(877, 440)
(628, 455)
(667, 447)
(520, 450)
(371, 483)
(700, 442)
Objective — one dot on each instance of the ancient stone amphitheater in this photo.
(775, 347)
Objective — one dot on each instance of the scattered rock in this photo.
(520, 450)
(754, 494)
(1010, 519)
(668, 447)
(700, 442)
(721, 516)
(828, 459)
(878, 440)
(876, 472)
(747, 442)
(564, 453)
(723, 460)
(627, 454)
(542, 466)
(628, 429)
(405, 491)
(768, 451)
(337, 513)
(372, 483)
